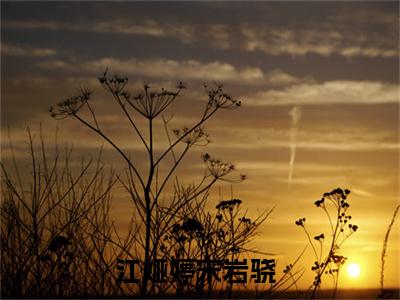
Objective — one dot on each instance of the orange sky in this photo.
(336, 62)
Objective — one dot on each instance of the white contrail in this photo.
(295, 113)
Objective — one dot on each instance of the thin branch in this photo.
(113, 145)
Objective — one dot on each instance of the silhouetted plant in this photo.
(180, 216)
(55, 229)
(385, 293)
(289, 278)
(329, 262)
(198, 234)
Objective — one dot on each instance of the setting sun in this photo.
(353, 270)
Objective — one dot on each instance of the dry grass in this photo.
(384, 248)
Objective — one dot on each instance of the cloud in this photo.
(361, 192)
(282, 167)
(184, 69)
(219, 36)
(368, 52)
(324, 42)
(337, 91)
(190, 69)
(358, 17)
(350, 146)
(41, 25)
(332, 38)
(353, 146)
(147, 27)
(13, 50)
(339, 139)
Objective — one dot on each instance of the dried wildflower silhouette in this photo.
(330, 262)
(386, 293)
(158, 217)
(218, 168)
(210, 237)
(58, 242)
(53, 224)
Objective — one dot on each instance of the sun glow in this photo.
(353, 269)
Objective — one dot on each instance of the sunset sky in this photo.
(336, 63)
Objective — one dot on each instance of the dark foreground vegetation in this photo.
(58, 238)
